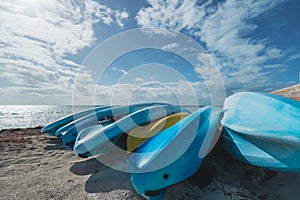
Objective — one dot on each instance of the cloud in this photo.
(181, 92)
(124, 72)
(175, 15)
(37, 36)
(140, 80)
(294, 57)
(170, 46)
(225, 30)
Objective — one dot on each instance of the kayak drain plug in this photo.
(166, 176)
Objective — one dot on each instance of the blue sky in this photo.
(49, 55)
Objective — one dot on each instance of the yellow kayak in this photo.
(140, 134)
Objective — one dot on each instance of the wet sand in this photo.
(35, 166)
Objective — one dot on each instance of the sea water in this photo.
(28, 116)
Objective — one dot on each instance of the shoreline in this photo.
(35, 166)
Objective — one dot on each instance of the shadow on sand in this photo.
(108, 180)
(87, 167)
(103, 178)
(55, 144)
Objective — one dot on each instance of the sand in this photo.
(292, 92)
(34, 166)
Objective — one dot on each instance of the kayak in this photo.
(103, 117)
(140, 134)
(174, 154)
(90, 142)
(263, 130)
(51, 128)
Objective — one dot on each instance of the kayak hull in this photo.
(107, 116)
(50, 129)
(91, 143)
(263, 130)
(140, 134)
(175, 153)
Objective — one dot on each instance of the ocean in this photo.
(29, 116)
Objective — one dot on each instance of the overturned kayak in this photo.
(263, 130)
(175, 153)
(51, 128)
(90, 142)
(140, 134)
(102, 118)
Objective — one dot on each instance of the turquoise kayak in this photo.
(174, 154)
(90, 141)
(102, 118)
(263, 130)
(51, 128)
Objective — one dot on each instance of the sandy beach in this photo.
(34, 166)
(292, 92)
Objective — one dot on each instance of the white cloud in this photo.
(36, 37)
(224, 28)
(225, 31)
(124, 72)
(140, 80)
(175, 15)
(170, 46)
(294, 57)
(178, 92)
(181, 92)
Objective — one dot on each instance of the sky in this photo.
(191, 52)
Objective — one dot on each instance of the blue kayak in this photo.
(51, 128)
(105, 117)
(90, 141)
(174, 154)
(263, 130)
